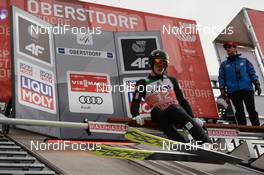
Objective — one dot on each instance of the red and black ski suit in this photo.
(169, 107)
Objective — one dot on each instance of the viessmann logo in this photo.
(87, 83)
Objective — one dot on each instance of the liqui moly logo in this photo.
(37, 93)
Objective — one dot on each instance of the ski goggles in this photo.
(161, 62)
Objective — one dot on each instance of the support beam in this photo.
(102, 127)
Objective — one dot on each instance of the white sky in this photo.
(206, 13)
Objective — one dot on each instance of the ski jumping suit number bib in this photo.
(160, 93)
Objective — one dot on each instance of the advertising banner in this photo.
(134, 52)
(257, 21)
(36, 87)
(5, 66)
(187, 62)
(89, 93)
(34, 71)
(87, 74)
(31, 42)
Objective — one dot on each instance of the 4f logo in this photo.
(140, 63)
(35, 49)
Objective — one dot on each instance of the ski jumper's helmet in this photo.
(158, 55)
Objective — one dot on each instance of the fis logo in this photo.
(84, 39)
(139, 46)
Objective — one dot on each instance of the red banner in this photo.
(5, 67)
(257, 20)
(179, 39)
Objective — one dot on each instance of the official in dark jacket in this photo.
(236, 78)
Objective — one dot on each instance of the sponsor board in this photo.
(222, 133)
(144, 109)
(36, 87)
(85, 53)
(88, 92)
(64, 12)
(134, 52)
(33, 41)
(114, 19)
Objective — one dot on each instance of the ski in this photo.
(138, 136)
(138, 154)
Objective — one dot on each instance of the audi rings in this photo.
(90, 100)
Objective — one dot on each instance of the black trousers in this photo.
(175, 114)
(247, 97)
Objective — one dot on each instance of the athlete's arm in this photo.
(138, 95)
(183, 102)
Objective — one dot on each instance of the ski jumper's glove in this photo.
(199, 121)
(139, 119)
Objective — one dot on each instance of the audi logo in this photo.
(90, 100)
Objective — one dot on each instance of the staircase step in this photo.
(17, 159)
(7, 147)
(27, 172)
(20, 166)
(13, 153)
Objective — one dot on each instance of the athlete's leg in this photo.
(178, 115)
(167, 127)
